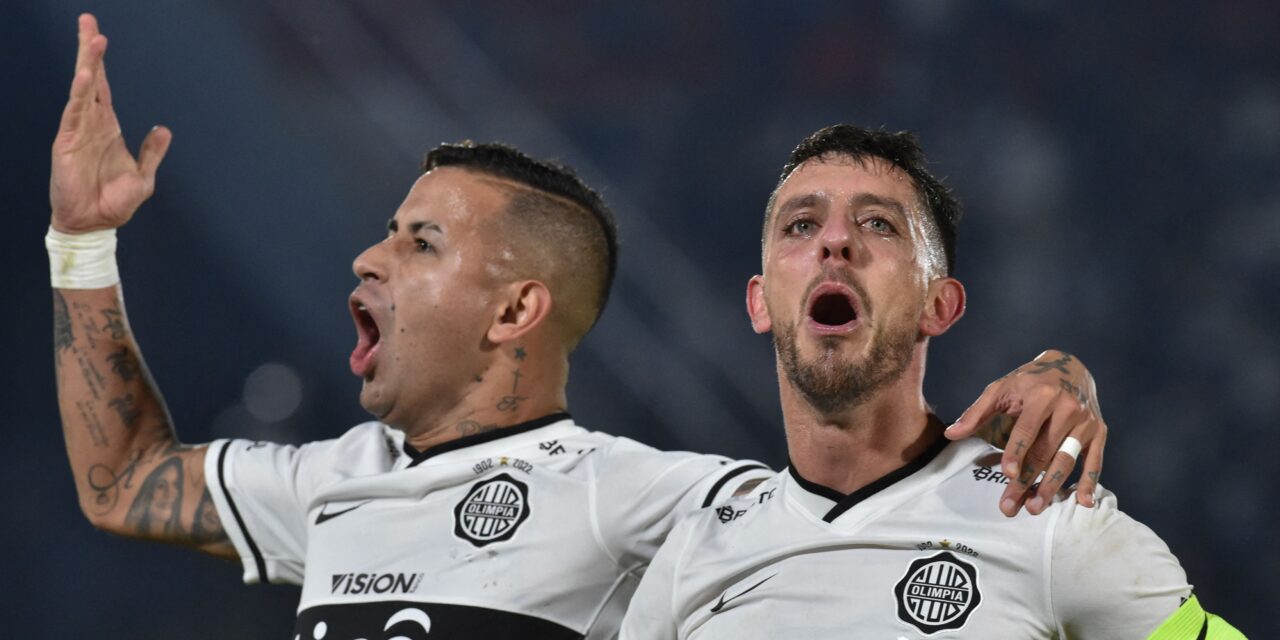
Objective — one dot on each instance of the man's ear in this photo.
(756, 308)
(944, 306)
(527, 305)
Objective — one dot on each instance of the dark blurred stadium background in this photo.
(1119, 161)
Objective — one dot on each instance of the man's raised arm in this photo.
(132, 475)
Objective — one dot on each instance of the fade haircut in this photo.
(900, 149)
(563, 232)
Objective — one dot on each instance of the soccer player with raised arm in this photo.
(879, 527)
(472, 505)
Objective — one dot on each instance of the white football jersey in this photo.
(540, 530)
(921, 553)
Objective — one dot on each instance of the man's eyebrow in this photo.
(393, 226)
(864, 200)
(798, 202)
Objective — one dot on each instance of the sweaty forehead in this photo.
(450, 194)
(839, 176)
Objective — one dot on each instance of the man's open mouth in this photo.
(832, 306)
(368, 336)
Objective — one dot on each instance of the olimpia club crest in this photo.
(938, 593)
(492, 510)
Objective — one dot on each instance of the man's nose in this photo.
(369, 264)
(838, 239)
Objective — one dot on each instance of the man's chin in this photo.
(373, 402)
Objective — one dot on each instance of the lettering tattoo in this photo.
(1060, 365)
(62, 333)
(510, 403)
(471, 427)
(84, 313)
(93, 378)
(123, 364)
(92, 423)
(129, 412)
(113, 323)
(158, 507)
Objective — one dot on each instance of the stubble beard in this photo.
(833, 384)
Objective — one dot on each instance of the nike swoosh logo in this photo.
(324, 517)
(720, 605)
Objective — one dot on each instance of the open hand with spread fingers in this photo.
(95, 183)
(1045, 416)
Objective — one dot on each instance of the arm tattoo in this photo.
(123, 364)
(113, 323)
(157, 509)
(92, 423)
(128, 410)
(84, 314)
(207, 526)
(62, 334)
(106, 483)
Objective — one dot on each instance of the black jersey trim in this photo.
(847, 502)
(481, 438)
(715, 488)
(235, 511)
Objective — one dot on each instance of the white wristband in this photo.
(82, 260)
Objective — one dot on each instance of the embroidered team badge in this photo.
(938, 593)
(492, 510)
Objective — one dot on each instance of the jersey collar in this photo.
(417, 457)
(829, 504)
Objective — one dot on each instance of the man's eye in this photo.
(423, 245)
(799, 227)
(880, 225)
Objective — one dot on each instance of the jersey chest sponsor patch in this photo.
(938, 593)
(492, 511)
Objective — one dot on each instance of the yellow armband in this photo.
(1192, 622)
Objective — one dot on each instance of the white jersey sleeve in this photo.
(262, 492)
(651, 615)
(640, 493)
(1111, 576)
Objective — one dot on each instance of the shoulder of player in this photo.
(738, 510)
(973, 468)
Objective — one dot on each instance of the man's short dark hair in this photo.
(559, 211)
(901, 149)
